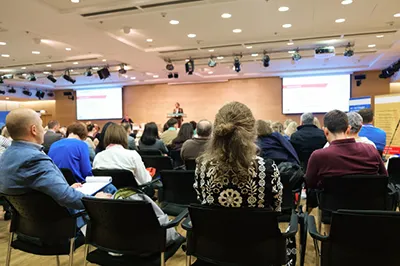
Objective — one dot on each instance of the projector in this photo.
(325, 52)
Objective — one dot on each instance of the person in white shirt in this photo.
(117, 156)
(355, 122)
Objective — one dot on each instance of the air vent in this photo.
(112, 11)
(170, 3)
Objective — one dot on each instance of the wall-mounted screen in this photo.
(316, 94)
(99, 104)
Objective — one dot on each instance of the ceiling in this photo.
(103, 32)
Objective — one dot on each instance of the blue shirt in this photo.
(74, 155)
(24, 167)
(374, 134)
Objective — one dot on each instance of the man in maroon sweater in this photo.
(344, 156)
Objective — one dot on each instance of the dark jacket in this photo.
(49, 138)
(306, 140)
(277, 148)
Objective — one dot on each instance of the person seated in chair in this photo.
(51, 135)
(171, 133)
(150, 139)
(344, 156)
(194, 147)
(374, 134)
(117, 156)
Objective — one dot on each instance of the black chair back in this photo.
(158, 162)
(117, 225)
(150, 152)
(68, 175)
(178, 187)
(394, 169)
(362, 238)
(176, 157)
(190, 164)
(230, 236)
(120, 178)
(356, 192)
(37, 215)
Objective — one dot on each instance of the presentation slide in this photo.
(99, 104)
(316, 94)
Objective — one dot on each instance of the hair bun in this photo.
(224, 129)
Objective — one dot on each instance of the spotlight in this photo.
(122, 70)
(12, 90)
(176, 75)
(266, 60)
(169, 66)
(27, 92)
(103, 73)
(31, 77)
(88, 72)
(2, 92)
(50, 94)
(67, 77)
(212, 62)
(40, 94)
(296, 55)
(348, 51)
(236, 65)
(170, 75)
(52, 78)
(189, 67)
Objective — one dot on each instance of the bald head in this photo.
(25, 124)
(204, 128)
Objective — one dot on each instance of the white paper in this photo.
(94, 184)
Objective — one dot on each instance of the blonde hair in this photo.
(277, 127)
(291, 128)
(233, 143)
(316, 122)
(287, 123)
(263, 128)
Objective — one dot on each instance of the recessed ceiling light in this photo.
(155, 76)
(75, 1)
(186, 60)
(380, 36)
(371, 45)
(5, 55)
(249, 47)
(104, 60)
(226, 15)
(347, 2)
(286, 26)
(397, 15)
(291, 52)
(283, 9)
(7, 98)
(149, 40)
(23, 67)
(133, 77)
(254, 55)
(71, 70)
(48, 65)
(46, 72)
(75, 63)
(211, 50)
(95, 68)
(290, 43)
(210, 72)
(237, 31)
(192, 35)
(174, 22)
(35, 52)
(340, 20)
(3, 43)
(220, 57)
(68, 49)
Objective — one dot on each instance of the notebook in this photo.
(94, 184)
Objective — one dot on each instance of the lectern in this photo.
(178, 116)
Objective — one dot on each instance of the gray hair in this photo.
(355, 121)
(204, 128)
(307, 119)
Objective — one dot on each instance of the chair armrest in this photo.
(312, 229)
(177, 220)
(78, 214)
(187, 224)
(149, 183)
(293, 226)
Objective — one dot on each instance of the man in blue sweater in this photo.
(376, 135)
(25, 167)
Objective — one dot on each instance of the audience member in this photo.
(316, 122)
(4, 141)
(131, 140)
(344, 156)
(290, 129)
(355, 122)
(92, 131)
(286, 123)
(277, 127)
(117, 156)
(194, 125)
(185, 133)
(73, 152)
(192, 148)
(307, 139)
(171, 133)
(34, 170)
(100, 136)
(374, 134)
(62, 131)
(150, 139)
(89, 140)
(6, 134)
(273, 145)
(51, 136)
